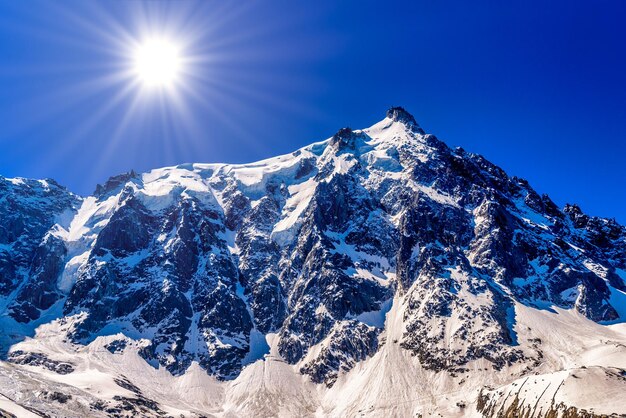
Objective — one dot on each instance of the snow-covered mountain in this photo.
(376, 273)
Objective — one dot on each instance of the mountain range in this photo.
(376, 273)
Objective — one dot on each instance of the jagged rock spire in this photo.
(114, 182)
(399, 114)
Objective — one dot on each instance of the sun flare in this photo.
(157, 63)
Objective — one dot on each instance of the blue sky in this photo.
(539, 88)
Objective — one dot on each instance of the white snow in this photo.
(258, 347)
(376, 318)
(16, 181)
(299, 197)
(12, 407)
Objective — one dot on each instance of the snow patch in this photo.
(376, 318)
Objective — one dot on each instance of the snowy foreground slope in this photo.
(376, 273)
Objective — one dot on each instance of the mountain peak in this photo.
(343, 136)
(399, 114)
(114, 182)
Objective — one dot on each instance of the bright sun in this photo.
(157, 63)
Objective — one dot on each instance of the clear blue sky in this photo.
(537, 87)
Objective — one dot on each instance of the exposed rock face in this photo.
(312, 246)
(347, 343)
(32, 253)
(168, 274)
(40, 359)
(544, 395)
